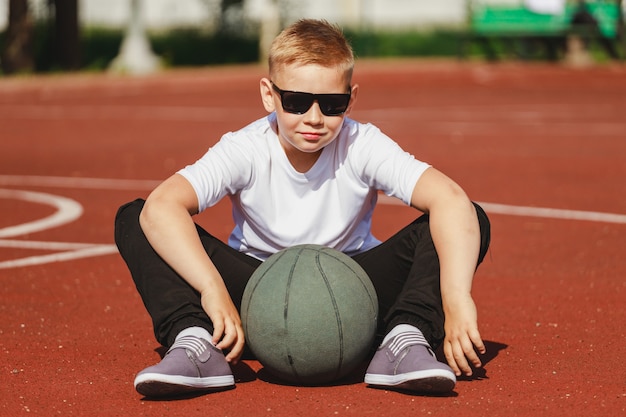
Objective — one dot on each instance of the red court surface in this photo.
(543, 146)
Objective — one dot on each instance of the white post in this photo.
(270, 27)
(352, 13)
(136, 56)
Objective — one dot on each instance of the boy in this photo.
(306, 173)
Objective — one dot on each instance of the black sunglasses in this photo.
(298, 102)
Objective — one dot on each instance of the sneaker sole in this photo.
(437, 381)
(158, 385)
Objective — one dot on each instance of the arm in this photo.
(167, 223)
(456, 235)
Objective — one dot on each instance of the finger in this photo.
(447, 350)
(461, 361)
(480, 347)
(478, 343)
(470, 345)
(456, 358)
(458, 352)
(218, 331)
(226, 342)
(235, 353)
(228, 337)
(473, 358)
(236, 345)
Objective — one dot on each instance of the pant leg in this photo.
(405, 272)
(173, 304)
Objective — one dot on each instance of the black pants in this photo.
(404, 270)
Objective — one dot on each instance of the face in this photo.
(303, 136)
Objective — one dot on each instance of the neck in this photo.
(302, 161)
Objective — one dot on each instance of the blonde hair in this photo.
(310, 41)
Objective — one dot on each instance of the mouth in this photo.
(311, 136)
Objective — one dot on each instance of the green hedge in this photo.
(193, 47)
(189, 47)
(434, 43)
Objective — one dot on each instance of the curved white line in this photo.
(525, 211)
(68, 210)
(93, 250)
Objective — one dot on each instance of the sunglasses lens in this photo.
(333, 104)
(296, 102)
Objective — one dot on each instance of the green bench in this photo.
(515, 25)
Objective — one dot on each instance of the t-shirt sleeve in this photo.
(225, 168)
(385, 165)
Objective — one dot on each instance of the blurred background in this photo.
(142, 35)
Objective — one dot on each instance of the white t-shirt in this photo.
(275, 207)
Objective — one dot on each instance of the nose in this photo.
(314, 115)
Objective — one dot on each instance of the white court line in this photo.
(76, 182)
(38, 244)
(552, 213)
(92, 250)
(526, 211)
(125, 184)
(67, 211)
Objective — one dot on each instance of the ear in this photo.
(267, 96)
(353, 93)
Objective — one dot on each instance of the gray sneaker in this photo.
(191, 364)
(405, 362)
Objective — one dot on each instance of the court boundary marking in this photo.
(68, 210)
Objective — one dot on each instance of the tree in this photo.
(17, 54)
(67, 34)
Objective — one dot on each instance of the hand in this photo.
(227, 328)
(462, 336)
